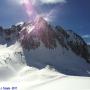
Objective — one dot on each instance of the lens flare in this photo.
(50, 16)
(29, 8)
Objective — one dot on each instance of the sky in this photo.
(70, 14)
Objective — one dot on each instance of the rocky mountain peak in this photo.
(31, 35)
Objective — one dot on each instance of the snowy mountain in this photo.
(44, 44)
(32, 34)
(35, 53)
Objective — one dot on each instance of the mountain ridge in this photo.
(30, 34)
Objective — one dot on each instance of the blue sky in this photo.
(71, 14)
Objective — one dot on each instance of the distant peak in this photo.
(20, 23)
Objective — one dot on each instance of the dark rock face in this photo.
(42, 32)
(61, 36)
(1, 31)
(77, 44)
(89, 53)
(31, 35)
(8, 34)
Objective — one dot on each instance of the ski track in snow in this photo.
(49, 81)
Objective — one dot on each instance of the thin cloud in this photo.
(88, 43)
(35, 2)
(86, 36)
(39, 2)
(53, 1)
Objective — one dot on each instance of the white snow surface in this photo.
(15, 72)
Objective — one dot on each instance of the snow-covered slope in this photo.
(36, 55)
(11, 61)
(14, 73)
(63, 60)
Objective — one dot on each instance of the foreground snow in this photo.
(46, 79)
(15, 73)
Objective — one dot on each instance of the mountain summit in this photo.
(42, 31)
